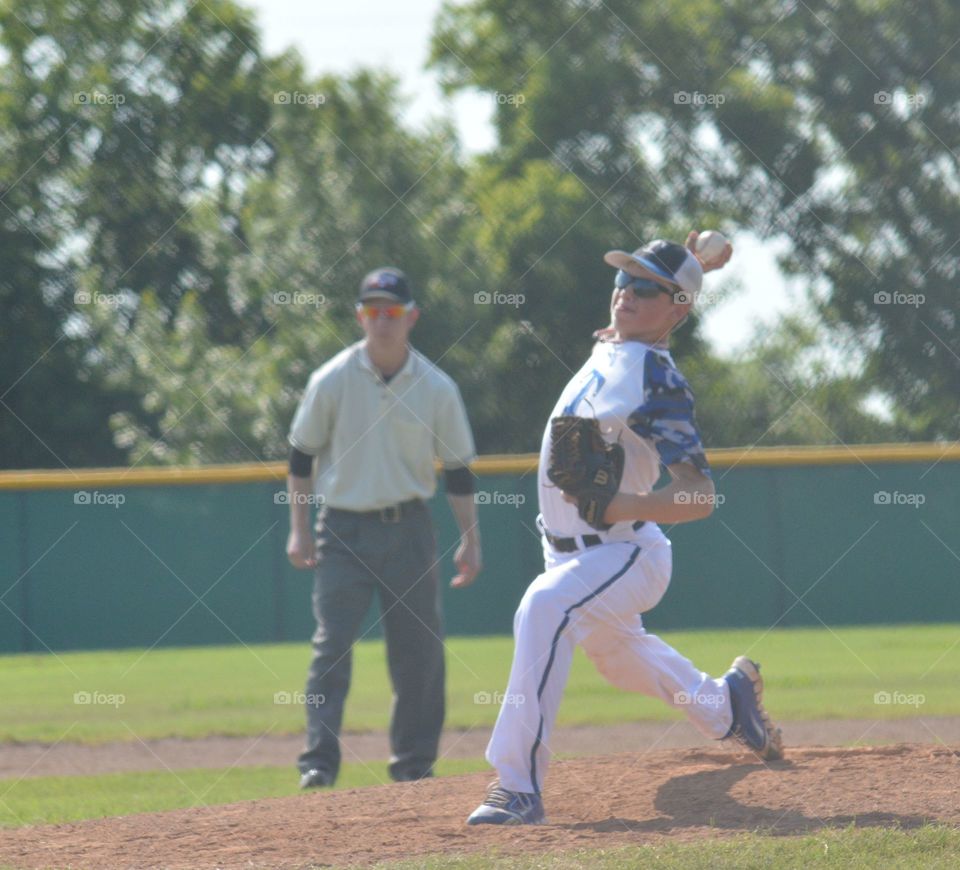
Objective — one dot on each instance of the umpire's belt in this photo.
(571, 545)
(389, 514)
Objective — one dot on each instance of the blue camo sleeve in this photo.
(666, 416)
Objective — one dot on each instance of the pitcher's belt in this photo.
(571, 545)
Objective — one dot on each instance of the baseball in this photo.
(710, 245)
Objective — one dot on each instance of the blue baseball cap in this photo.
(663, 262)
(385, 283)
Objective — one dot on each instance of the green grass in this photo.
(70, 798)
(810, 674)
(853, 848)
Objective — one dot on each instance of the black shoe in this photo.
(410, 775)
(314, 778)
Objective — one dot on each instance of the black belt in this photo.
(571, 545)
(390, 514)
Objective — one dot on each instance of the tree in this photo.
(783, 391)
(348, 189)
(826, 123)
(118, 120)
(53, 412)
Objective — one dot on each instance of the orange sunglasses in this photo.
(391, 312)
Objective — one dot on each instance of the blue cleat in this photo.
(503, 807)
(751, 724)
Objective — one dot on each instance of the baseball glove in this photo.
(585, 466)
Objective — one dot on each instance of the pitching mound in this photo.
(591, 803)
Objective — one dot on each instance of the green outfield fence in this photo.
(183, 556)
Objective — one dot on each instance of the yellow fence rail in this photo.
(256, 472)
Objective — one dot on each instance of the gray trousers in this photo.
(358, 555)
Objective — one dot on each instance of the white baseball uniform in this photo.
(594, 595)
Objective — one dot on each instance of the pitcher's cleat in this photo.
(751, 723)
(503, 807)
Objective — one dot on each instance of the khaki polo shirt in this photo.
(376, 442)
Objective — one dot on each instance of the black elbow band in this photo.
(301, 464)
(459, 481)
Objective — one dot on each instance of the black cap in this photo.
(385, 283)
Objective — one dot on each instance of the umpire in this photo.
(370, 426)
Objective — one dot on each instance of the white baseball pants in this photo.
(594, 597)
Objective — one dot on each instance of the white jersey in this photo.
(644, 403)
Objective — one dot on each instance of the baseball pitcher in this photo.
(627, 414)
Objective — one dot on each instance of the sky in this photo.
(336, 37)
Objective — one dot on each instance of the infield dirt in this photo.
(27, 760)
(596, 802)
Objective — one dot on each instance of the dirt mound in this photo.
(591, 803)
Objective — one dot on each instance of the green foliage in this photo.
(224, 207)
(830, 124)
(53, 408)
(114, 117)
(784, 392)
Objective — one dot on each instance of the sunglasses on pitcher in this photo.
(391, 312)
(642, 287)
